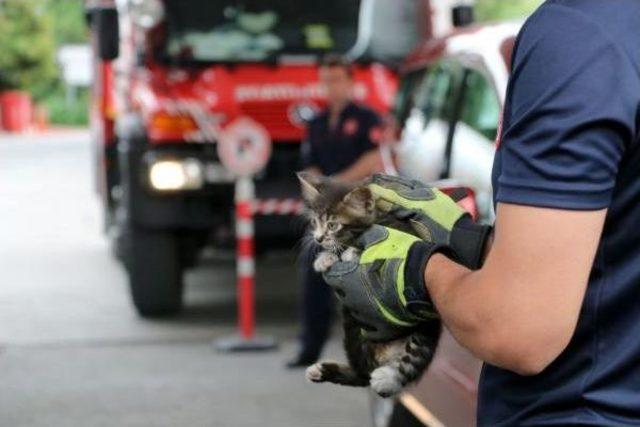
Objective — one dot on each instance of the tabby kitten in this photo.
(339, 214)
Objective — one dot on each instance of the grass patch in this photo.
(63, 113)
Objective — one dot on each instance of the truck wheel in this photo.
(155, 272)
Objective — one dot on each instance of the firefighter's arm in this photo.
(520, 310)
(368, 164)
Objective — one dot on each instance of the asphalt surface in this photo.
(73, 352)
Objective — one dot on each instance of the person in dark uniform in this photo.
(340, 143)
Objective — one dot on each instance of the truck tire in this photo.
(155, 272)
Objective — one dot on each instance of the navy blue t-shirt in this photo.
(570, 141)
(333, 150)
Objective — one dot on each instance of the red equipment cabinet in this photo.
(15, 111)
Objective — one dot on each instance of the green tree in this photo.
(496, 10)
(28, 50)
(67, 21)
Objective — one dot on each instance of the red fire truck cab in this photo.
(170, 73)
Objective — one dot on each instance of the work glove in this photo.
(433, 215)
(384, 290)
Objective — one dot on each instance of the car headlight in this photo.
(173, 175)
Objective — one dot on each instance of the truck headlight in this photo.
(173, 175)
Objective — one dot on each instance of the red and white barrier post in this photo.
(245, 150)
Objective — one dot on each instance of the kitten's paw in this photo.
(386, 381)
(314, 373)
(324, 261)
(350, 254)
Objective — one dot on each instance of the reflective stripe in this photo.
(246, 267)
(390, 317)
(244, 228)
(400, 283)
(440, 208)
(420, 411)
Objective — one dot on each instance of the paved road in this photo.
(73, 353)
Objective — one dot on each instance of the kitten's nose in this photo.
(319, 239)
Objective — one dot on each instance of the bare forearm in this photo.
(482, 318)
(465, 305)
(520, 310)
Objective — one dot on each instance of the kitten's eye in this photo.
(333, 226)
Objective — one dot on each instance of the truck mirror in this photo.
(107, 31)
(463, 16)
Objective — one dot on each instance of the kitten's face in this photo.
(338, 212)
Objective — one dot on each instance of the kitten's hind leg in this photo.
(386, 381)
(418, 354)
(335, 373)
(408, 362)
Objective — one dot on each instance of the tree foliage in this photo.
(67, 21)
(27, 53)
(496, 10)
(30, 33)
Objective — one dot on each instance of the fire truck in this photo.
(170, 75)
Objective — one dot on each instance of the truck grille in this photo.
(275, 117)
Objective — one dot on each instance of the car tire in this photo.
(155, 272)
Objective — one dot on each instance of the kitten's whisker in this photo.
(305, 245)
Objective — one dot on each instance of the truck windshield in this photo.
(254, 30)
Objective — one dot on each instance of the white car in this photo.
(451, 97)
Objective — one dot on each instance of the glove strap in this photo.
(468, 242)
(415, 292)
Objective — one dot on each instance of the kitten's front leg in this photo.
(350, 254)
(324, 261)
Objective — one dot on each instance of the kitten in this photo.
(339, 214)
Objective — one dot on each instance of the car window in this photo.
(405, 100)
(436, 96)
(481, 108)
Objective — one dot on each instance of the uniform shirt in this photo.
(571, 142)
(334, 150)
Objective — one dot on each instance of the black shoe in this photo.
(301, 361)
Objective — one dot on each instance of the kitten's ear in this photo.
(309, 183)
(359, 201)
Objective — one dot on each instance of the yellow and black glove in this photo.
(433, 215)
(384, 290)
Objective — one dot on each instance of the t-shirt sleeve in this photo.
(570, 113)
